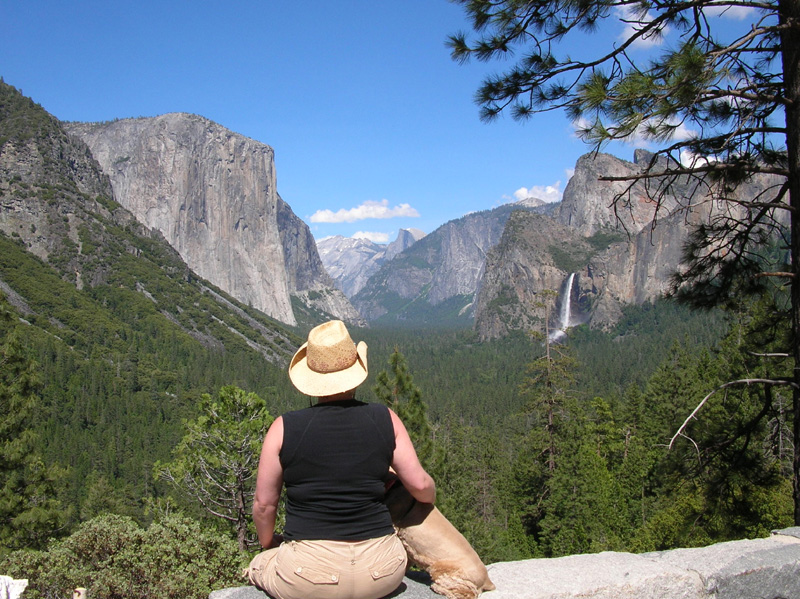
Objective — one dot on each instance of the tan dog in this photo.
(435, 545)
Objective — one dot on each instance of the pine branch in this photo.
(769, 382)
(713, 167)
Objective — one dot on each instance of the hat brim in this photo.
(318, 384)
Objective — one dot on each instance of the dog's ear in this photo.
(417, 514)
(399, 501)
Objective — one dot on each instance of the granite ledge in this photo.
(767, 568)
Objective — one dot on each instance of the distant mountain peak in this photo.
(352, 261)
(529, 202)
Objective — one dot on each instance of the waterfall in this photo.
(565, 315)
(566, 304)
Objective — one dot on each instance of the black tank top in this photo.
(335, 459)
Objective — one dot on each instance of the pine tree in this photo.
(29, 511)
(215, 463)
(398, 391)
(735, 90)
(549, 392)
(581, 508)
(548, 385)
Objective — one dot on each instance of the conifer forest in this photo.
(537, 449)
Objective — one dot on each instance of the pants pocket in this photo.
(318, 575)
(389, 561)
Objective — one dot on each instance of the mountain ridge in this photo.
(125, 336)
(351, 261)
(434, 281)
(620, 254)
(58, 204)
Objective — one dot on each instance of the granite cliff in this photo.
(351, 262)
(212, 194)
(56, 203)
(435, 280)
(538, 253)
(488, 268)
(619, 257)
(587, 205)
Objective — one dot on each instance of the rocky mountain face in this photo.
(314, 291)
(587, 205)
(211, 193)
(351, 262)
(57, 203)
(618, 258)
(435, 280)
(404, 240)
(538, 253)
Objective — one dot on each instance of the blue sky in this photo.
(366, 112)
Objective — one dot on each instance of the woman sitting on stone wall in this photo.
(334, 458)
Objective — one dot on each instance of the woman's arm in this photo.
(406, 464)
(268, 485)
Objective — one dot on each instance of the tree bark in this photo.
(241, 516)
(789, 14)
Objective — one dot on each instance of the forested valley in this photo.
(537, 449)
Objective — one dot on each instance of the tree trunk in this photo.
(789, 11)
(241, 516)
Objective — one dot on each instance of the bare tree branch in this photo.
(770, 382)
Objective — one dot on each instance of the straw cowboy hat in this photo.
(329, 362)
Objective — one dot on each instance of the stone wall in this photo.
(750, 569)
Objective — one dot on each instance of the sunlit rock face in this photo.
(621, 254)
(444, 266)
(352, 261)
(65, 165)
(212, 194)
(519, 269)
(588, 203)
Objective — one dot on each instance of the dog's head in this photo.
(399, 501)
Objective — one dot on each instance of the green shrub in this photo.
(569, 258)
(114, 558)
(604, 238)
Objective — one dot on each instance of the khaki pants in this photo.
(331, 569)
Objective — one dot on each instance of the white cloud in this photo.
(691, 160)
(579, 125)
(369, 209)
(547, 193)
(633, 22)
(639, 137)
(683, 132)
(725, 9)
(680, 133)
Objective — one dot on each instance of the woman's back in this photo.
(335, 458)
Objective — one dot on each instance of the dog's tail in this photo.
(450, 580)
(453, 587)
